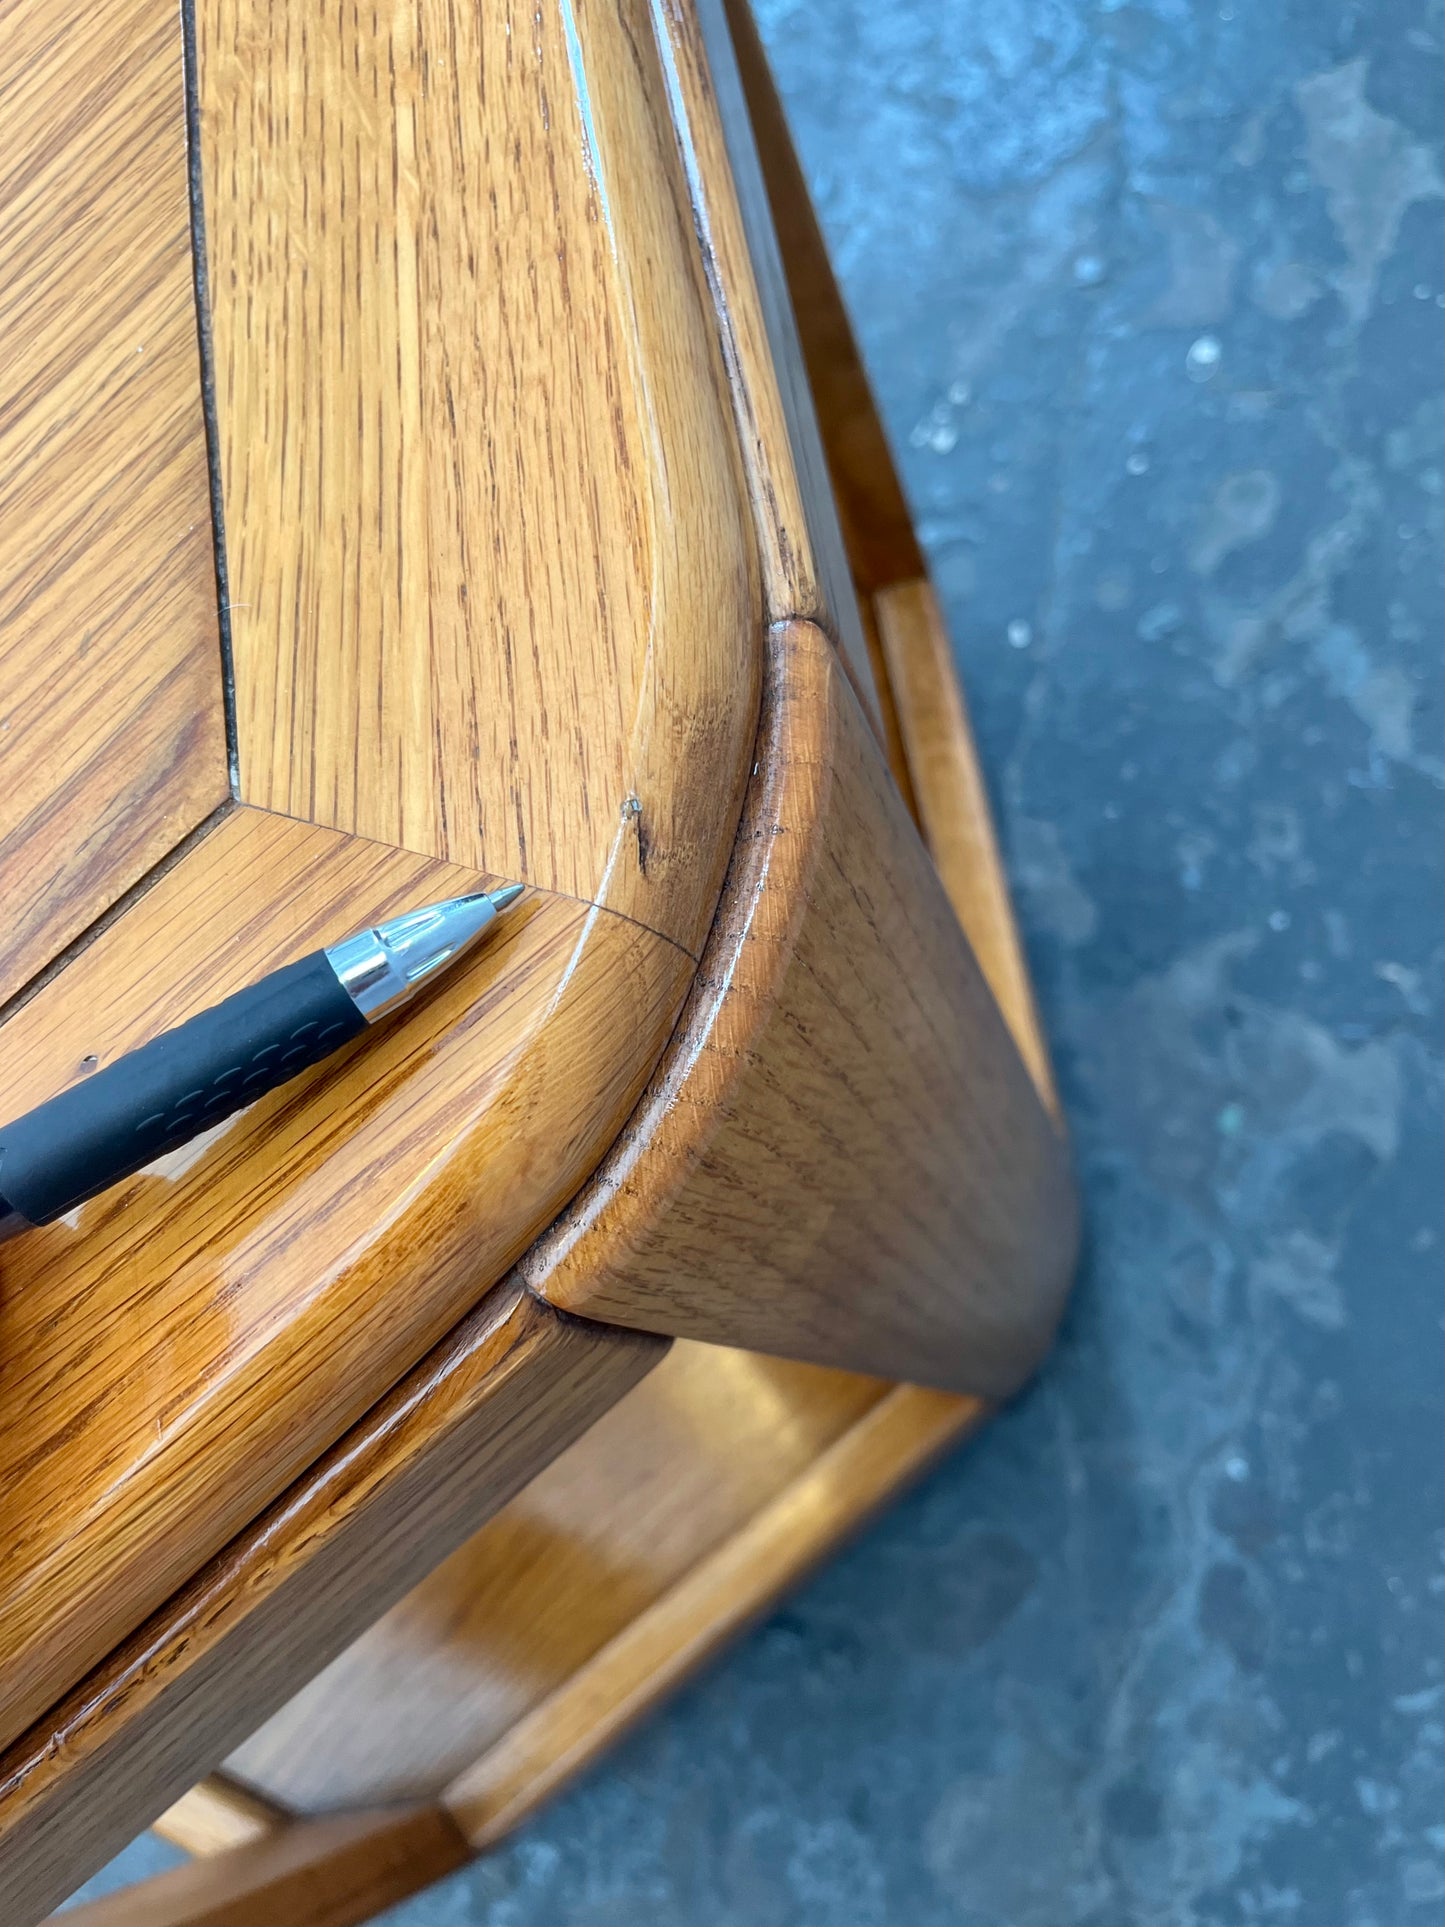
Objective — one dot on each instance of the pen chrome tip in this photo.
(382, 968)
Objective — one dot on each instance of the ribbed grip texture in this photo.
(165, 1093)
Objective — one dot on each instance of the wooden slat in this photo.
(896, 1439)
(495, 594)
(500, 1397)
(216, 1815)
(112, 729)
(324, 1873)
(178, 1350)
(877, 527)
(672, 1473)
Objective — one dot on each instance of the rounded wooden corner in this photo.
(842, 1156)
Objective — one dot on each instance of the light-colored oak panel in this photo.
(508, 1389)
(495, 595)
(674, 1471)
(112, 728)
(842, 1155)
(182, 1347)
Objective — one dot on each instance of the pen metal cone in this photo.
(381, 968)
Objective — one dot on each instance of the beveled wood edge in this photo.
(800, 543)
(511, 1386)
(872, 508)
(329, 1872)
(894, 1442)
(939, 1236)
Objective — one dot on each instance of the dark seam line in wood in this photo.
(126, 901)
(205, 349)
(432, 856)
(769, 696)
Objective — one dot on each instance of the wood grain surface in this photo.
(495, 597)
(215, 1815)
(179, 1349)
(112, 731)
(324, 1873)
(841, 1156)
(494, 589)
(507, 1390)
(341, 1252)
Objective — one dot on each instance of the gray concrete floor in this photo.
(1152, 293)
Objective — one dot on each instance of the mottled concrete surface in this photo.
(1152, 293)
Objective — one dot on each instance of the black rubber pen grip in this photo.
(162, 1095)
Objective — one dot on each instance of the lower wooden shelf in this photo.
(689, 1507)
(680, 1516)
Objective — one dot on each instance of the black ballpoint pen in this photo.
(183, 1082)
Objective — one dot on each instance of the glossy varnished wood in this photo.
(186, 1344)
(841, 1155)
(500, 1397)
(493, 575)
(495, 599)
(112, 732)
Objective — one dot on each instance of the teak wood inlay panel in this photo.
(112, 730)
(179, 1351)
(494, 587)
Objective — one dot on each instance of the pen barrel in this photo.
(159, 1097)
